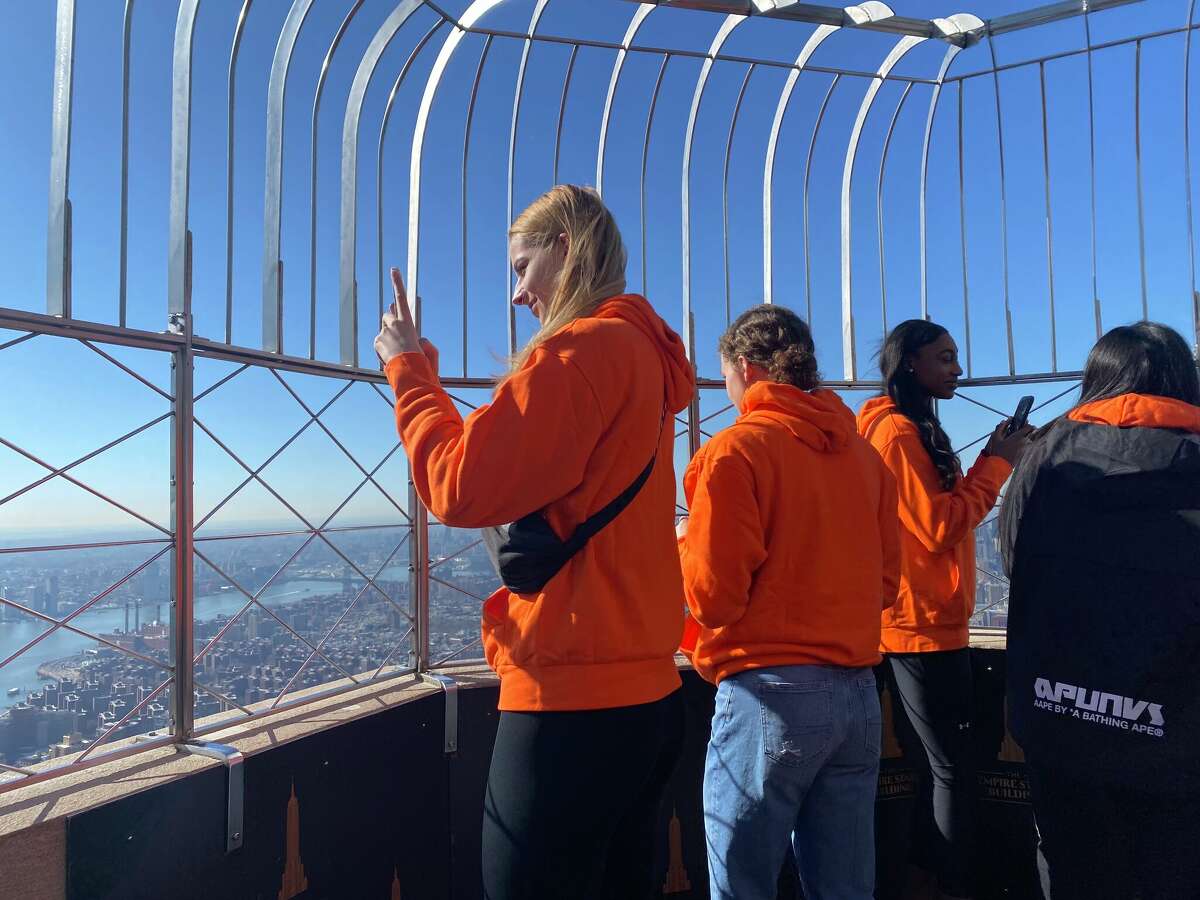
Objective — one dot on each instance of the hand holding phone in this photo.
(1021, 416)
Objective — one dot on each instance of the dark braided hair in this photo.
(905, 340)
(777, 339)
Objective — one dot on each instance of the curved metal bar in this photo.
(58, 238)
(466, 155)
(1187, 169)
(812, 143)
(312, 187)
(1049, 220)
(179, 287)
(122, 290)
(737, 110)
(635, 24)
(468, 19)
(645, 155)
(1137, 155)
(272, 296)
(902, 46)
(512, 157)
(727, 27)
(231, 80)
(1012, 363)
(383, 127)
(967, 24)
(887, 145)
(347, 277)
(562, 107)
(785, 97)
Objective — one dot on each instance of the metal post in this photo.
(58, 241)
(182, 596)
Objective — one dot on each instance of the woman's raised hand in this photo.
(398, 333)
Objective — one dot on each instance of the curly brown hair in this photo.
(777, 339)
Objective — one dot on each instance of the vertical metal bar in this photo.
(694, 403)
(229, 125)
(418, 586)
(122, 291)
(58, 238)
(1012, 364)
(348, 238)
(1137, 152)
(951, 52)
(1087, 27)
(312, 187)
(887, 145)
(643, 10)
(962, 230)
(645, 155)
(518, 92)
(562, 108)
(785, 97)
(1187, 173)
(737, 110)
(487, 45)
(182, 501)
(179, 287)
(272, 264)
(727, 27)
(379, 173)
(812, 143)
(1049, 221)
(849, 354)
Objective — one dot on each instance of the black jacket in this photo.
(1100, 536)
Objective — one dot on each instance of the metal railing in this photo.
(806, 206)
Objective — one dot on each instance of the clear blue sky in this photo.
(61, 400)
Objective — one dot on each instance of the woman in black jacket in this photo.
(1100, 534)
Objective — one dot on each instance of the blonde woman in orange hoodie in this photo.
(925, 634)
(790, 551)
(591, 719)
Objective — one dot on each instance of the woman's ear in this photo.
(563, 243)
(747, 370)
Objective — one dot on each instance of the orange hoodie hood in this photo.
(677, 370)
(1139, 411)
(818, 419)
(874, 410)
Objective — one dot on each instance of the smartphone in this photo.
(1021, 416)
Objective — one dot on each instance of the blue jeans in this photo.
(794, 752)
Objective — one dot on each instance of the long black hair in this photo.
(900, 383)
(1143, 358)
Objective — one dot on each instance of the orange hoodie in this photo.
(937, 537)
(793, 545)
(565, 434)
(1140, 411)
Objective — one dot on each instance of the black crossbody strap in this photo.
(598, 520)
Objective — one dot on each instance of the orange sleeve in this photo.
(514, 456)
(724, 545)
(889, 533)
(941, 519)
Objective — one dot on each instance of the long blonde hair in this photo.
(594, 267)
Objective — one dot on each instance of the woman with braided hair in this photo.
(924, 638)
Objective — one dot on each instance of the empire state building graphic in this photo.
(677, 879)
(294, 880)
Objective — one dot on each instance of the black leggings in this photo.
(573, 799)
(936, 694)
